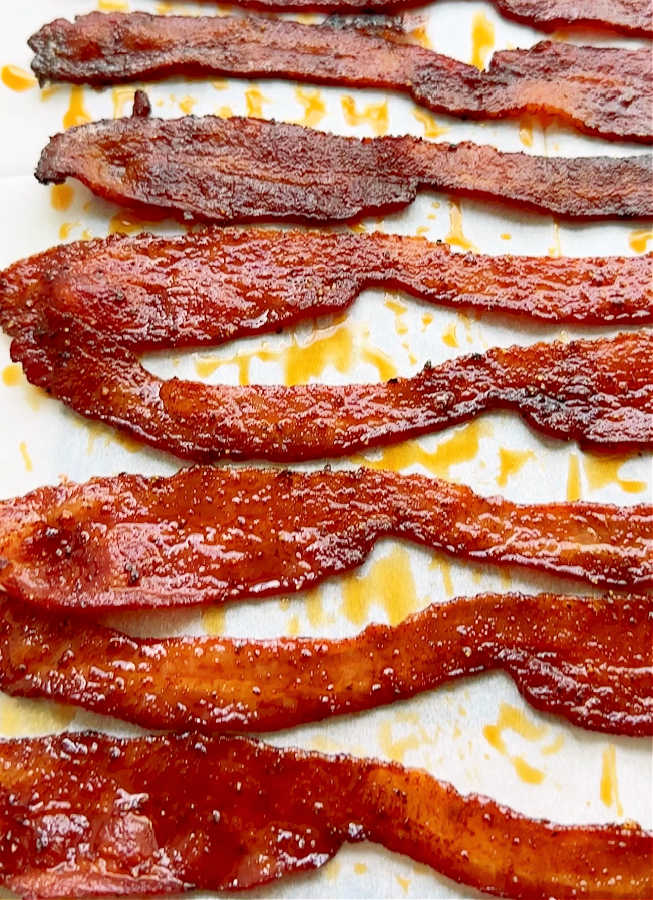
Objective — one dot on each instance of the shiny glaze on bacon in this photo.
(238, 169)
(600, 90)
(597, 392)
(149, 292)
(210, 535)
(589, 660)
(86, 813)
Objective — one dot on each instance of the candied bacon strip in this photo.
(600, 90)
(210, 535)
(589, 660)
(239, 169)
(86, 813)
(596, 392)
(150, 292)
(630, 16)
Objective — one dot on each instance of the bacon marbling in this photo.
(149, 292)
(239, 169)
(588, 660)
(88, 814)
(600, 90)
(209, 535)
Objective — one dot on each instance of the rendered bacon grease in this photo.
(84, 814)
(239, 169)
(601, 90)
(588, 660)
(142, 291)
(209, 535)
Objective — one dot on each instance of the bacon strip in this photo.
(603, 91)
(210, 535)
(230, 170)
(602, 681)
(93, 814)
(630, 16)
(597, 392)
(149, 292)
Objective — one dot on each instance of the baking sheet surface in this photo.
(546, 767)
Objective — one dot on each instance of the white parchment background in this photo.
(442, 731)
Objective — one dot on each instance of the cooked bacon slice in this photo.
(630, 16)
(596, 392)
(210, 535)
(600, 90)
(86, 813)
(588, 660)
(238, 169)
(150, 292)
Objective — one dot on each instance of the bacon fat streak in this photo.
(150, 293)
(238, 169)
(210, 535)
(600, 90)
(588, 660)
(88, 814)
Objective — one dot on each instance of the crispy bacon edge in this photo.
(603, 91)
(253, 169)
(588, 660)
(207, 535)
(88, 814)
(141, 290)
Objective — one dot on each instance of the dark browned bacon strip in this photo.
(597, 392)
(233, 170)
(149, 292)
(630, 16)
(601, 90)
(88, 814)
(588, 660)
(209, 535)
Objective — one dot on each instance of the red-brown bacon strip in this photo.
(588, 660)
(597, 392)
(88, 814)
(232, 170)
(210, 535)
(149, 292)
(601, 90)
(630, 16)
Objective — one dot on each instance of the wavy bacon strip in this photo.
(588, 660)
(600, 90)
(85, 813)
(596, 392)
(630, 16)
(210, 535)
(232, 170)
(150, 292)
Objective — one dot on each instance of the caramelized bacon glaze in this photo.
(210, 535)
(232, 170)
(597, 392)
(84, 814)
(150, 292)
(601, 90)
(602, 680)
